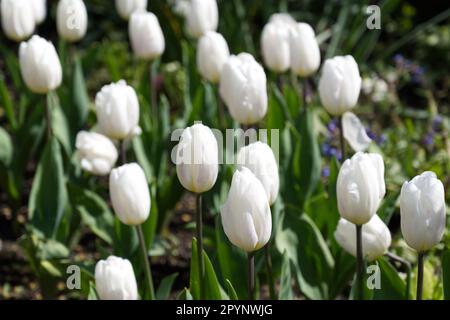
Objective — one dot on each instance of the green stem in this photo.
(48, 115)
(147, 269)
(359, 263)
(153, 88)
(201, 263)
(269, 271)
(251, 275)
(420, 275)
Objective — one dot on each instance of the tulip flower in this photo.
(131, 202)
(275, 43)
(197, 167)
(146, 36)
(40, 10)
(339, 85)
(376, 237)
(197, 159)
(117, 109)
(212, 53)
(243, 88)
(115, 279)
(126, 7)
(130, 195)
(40, 65)
(201, 16)
(305, 52)
(360, 188)
(18, 19)
(422, 210)
(354, 132)
(246, 217)
(259, 158)
(96, 152)
(71, 20)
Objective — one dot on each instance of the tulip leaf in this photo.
(446, 273)
(165, 287)
(92, 292)
(48, 195)
(80, 96)
(94, 212)
(231, 261)
(59, 123)
(212, 288)
(367, 293)
(309, 253)
(392, 287)
(6, 148)
(286, 279)
(6, 103)
(185, 294)
(230, 289)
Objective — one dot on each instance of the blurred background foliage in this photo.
(407, 117)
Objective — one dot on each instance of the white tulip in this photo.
(354, 132)
(275, 43)
(40, 65)
(115, 279)
(197, 158)
(305, 52)
(40, 10)
(18, 19)
(96, 152)
(117, 109)
(360, 187)
(246, 216)
(146, 36)
(243, 88)
(126, 7)
(202, 16)
(376, 237)
(422, 210)
(212, 53)
(259, 158)
(339, 85)
(71, 19)
(129, 194)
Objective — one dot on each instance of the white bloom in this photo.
(126, 7)
(18, 19)
(354, 132)
(202, 16)
(212, 53)
(71, 19)
(146, 36)
(39, 9)
(305, 52)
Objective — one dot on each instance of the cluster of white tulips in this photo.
(287, 45)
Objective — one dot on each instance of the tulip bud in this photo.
(243, 88)
(339, 85)
(71, 19)
(40, 10)
(146, 36)
(97, 153)
(422, 210)
(305, 52)
(202, 16)
(246, 216)
(275, 42)
(360, 187)
(197, 158)
(129, 194)
(212, 53)
(376, 237)
(18, 19)
(117, 109)
(115, 279)
(259, 158)
(126, 7)
(40, 65)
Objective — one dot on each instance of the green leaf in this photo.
(6, 148)
(92, 292)
(367, 293)
(48, 195)
(80, 96)
(309, 253)
(286, 279)
(165, 287)
(60, 125)
(6, 102)
(194, 284)
(392, 287)
(185, 295)
(94, 212)
(231, 292)
(446, 273)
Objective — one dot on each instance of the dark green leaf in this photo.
(286, 279)
(165, 287)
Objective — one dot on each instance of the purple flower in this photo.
(437, 123)
(326, 171)
(332, 126)
(428, 140)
